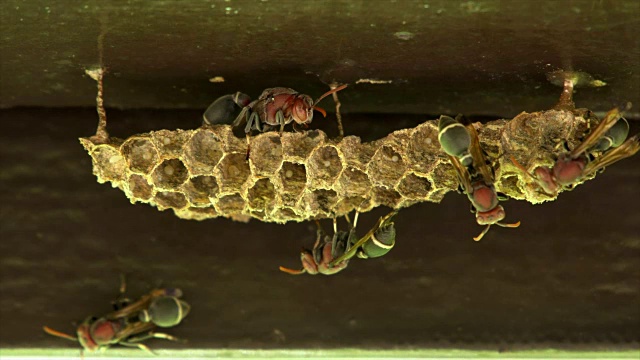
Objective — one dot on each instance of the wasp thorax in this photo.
(102, 331)
(483, 198)
(567, 171)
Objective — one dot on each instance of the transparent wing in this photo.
(353, 250)
(137, 306)
(627, 149)
(463, 175)
(134, 328)
(609, 120)
(479, 161)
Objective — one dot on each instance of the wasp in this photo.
(331, 255)
(605, 145)
(131, 323)
(378, 241)
(279, 107)
(476, 177)
(223, 108)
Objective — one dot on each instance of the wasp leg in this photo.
(355, 219)
(316, 253)
(121, 300)
(319, 232)
(151, 335)
(248, 146)
(280, 120)
(352, 239)
(253, 122)
(334, 240)
(352, 229)
(140, 346)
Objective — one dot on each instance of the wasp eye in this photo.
(301, 113)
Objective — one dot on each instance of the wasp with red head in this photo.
(605, 145)
(131, 324)
(476, 177)
(279, 107)
(325, 250)
(331, 255)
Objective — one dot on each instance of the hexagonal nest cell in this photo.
(204, 173)
(170, 199)
(203, 153)
(200, 189)
(232, 172)
(324, 166)
(386, 167)
(141, 155)
(170, 174)
(140, 189)
(108, 163)
(266, 154)
(353, 182)
(262, 195)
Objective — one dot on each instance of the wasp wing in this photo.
(131, 329)
(463, 175)
(609, 120)
(627, 149)
(137, 306)
(354, 248)
(479, 161)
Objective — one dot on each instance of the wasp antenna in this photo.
(513, 226)
(291, 271)
(521, 167)
(482, 234)
(341, 87)
(123, 284)
(320, 110)
(59, 334)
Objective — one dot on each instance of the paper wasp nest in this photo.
(203, 173)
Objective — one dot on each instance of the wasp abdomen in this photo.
(455, 139)
(222, 110)
(166, 311)
(614, 137)
(382, 241)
